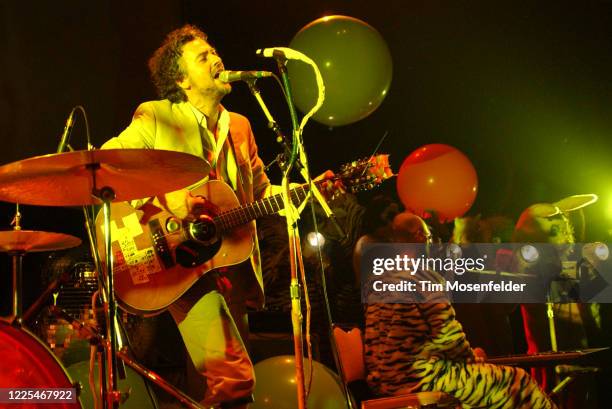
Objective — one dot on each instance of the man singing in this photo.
(189, 118)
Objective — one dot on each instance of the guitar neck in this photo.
(264, 207)
(356, 176)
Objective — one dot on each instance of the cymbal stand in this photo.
(159, 381)
(17, 272)
(112, 395)
(94, 337)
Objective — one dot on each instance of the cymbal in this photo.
(68, 179)
(29, 241)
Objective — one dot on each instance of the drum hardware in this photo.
(94, 339)
(159, 381)
(17, 243)
(75, 296)
(28, 363)
(90, 332)
(97, 177)
(22, 346)
(44, 297)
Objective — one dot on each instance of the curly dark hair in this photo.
(164, 64)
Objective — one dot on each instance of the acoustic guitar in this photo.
(158, 257)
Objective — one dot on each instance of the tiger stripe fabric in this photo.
(422, 347)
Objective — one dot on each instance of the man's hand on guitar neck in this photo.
(185, 206)
(331, 186)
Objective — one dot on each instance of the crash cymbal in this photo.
(28, 241)
(68, 179)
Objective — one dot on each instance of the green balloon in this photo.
(355, 63)
(138, 398)
(275, 386)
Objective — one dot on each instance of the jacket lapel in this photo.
(191, 130)
(237, 176)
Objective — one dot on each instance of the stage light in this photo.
(454, 251)
(529, 253)
(595, 252)
(315, 239)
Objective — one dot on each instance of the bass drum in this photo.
(28, 363)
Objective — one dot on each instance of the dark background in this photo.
(524, 90)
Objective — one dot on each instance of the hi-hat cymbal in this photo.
(68, 179)
(28, 241)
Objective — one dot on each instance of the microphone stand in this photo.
(110, 367)
(295, 248)
(296, 155)
(281, 158)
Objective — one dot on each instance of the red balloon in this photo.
(437, 178)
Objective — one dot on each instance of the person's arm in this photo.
(446, 334)
(140, 134)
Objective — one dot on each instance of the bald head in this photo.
(410, 228)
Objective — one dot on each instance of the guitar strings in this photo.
(234, 217)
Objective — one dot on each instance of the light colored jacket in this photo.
(166, 125)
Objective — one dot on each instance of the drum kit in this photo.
(80, 178)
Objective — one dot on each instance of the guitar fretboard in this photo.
(264, 207)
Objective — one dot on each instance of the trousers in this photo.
(214, 342)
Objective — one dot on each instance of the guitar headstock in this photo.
(366, 173)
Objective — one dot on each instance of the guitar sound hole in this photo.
(204, 230)
(192, 253)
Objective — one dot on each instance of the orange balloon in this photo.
(437, 178)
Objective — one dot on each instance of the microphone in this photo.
(231, 76)
(67, 129)
(281, 52)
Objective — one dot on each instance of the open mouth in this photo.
(217, 70)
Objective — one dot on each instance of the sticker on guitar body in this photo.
(139, 263)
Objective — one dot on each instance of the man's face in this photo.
(201, 66)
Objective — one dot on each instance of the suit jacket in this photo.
(166, 125)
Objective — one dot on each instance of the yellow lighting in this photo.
(608, 207)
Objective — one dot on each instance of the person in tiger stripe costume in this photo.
(422, 347)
